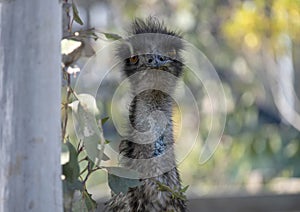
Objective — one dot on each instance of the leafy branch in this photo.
(176, 193)
(80, 162)
(73, 178)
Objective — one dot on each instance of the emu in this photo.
(151, 60)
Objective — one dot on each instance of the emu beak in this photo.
(157, 61)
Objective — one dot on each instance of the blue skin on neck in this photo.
(160, 146)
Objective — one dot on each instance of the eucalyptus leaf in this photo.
(120, 184)
(65, 154)
(78, 203)
(122, 171)
(112, 36)
(90, 203)
(71, 169)
(83, 202)
(76, 14)
(184, 189)
(88, 102)
(84, 110)
(72, 186)
(69, 45)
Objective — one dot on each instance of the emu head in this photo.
(151, 47)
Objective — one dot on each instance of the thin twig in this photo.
(83, 159)
(66, 106)
(89, 173)
(74, 93)
(86, 168)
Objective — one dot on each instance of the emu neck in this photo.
(151, 119)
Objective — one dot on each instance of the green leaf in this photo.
(71, 169)
(122, 171)
(184, 189)
(174, 192)
(104, 120)
(65, 154)
(121, 184)
(76, 14)
(72, 186)
(112, 36)
(69, 45)
(163, 187)
(90, 203)
(84, 110)
(84, 203)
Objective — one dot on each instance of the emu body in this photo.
(153, 68)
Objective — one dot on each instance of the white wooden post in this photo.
(30, 33)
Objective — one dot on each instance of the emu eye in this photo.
(134, 59)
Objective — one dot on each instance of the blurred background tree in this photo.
(254, 47)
